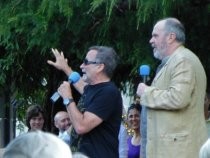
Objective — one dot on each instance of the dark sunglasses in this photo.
(86, 62)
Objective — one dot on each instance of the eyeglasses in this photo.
(86, 62)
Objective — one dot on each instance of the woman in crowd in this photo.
(35, 118)
(134, 141)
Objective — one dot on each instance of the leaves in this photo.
(29, 29)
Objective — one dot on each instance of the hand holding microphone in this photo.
(141, 88)
(65, 90)
(144, 72)
(73, 78)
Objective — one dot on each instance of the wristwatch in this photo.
(67, 101)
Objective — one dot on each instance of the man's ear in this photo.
(100, 67)
(56, 124)
(171, 37)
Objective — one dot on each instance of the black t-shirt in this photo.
(104, 100)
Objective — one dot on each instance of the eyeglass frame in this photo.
(86, 62)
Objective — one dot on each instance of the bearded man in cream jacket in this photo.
(174, 102)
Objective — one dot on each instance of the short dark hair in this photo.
(108, 57)
(34, 111)
(208, 94)
(135, 106)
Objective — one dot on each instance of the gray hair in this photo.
(205, 150)
(108, 57)
(37, 144)
(79, 155)
(175, 26)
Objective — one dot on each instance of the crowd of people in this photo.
(170, 110)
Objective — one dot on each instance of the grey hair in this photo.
(79, 155)
(205, 150)
(108, 57)
(175, 26)
(37, 144)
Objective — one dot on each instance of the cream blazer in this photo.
(175, 102)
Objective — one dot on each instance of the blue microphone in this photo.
(144, 71)
(73, 78)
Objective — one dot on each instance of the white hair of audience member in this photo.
(79, 155)
(205, 150)
(37, 144)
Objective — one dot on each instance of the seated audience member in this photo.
(35, 118)
(134, 141)
(205, 150)
(207, 112)
(79, 155)
(1, 152)
(37, 144)
(63, 123)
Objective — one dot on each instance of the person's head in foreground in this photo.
(37, 144)
(79, 155)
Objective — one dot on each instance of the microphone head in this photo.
(144, 70)
(74, 77)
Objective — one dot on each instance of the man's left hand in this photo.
(140, 89)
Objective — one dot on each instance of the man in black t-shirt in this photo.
(97, 117)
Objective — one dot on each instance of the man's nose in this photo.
(151, 40)
(82, 65)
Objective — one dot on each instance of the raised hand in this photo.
(61, 62)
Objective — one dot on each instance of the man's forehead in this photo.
(159, 25)
(91, 53)
(158, 28)
(64, 116)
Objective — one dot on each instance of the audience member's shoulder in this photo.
(79, 155)
(34, 144)
(1, 152)
(205, 150)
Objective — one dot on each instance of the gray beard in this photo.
(158, 55)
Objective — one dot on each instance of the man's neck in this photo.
(100, 79)
(173, 48)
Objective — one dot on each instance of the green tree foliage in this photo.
(29, 29)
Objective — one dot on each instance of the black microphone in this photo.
(73, 78)
(144, 71)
